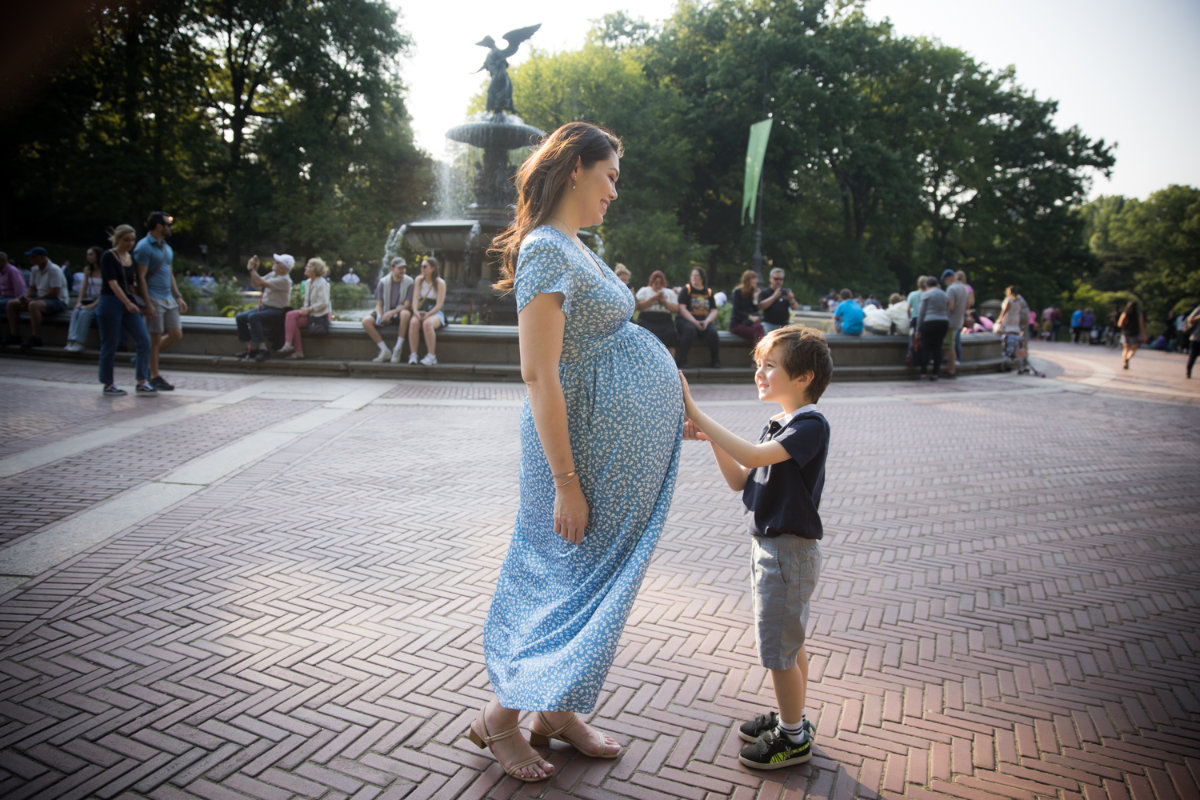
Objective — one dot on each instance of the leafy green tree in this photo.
(607, 86)
(254, 121)
(1149, 247)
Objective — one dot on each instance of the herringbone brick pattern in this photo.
(1007, 609)
(45, 495)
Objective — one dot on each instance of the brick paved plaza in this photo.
(275, 587)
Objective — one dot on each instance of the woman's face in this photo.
(91, 257)
(753, 282)
(428, 271)
(310, 271)
(657, 282)
(126, 241)
(595, 190)
(697, 279)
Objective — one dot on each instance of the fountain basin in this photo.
(440, 235)
(499, 131)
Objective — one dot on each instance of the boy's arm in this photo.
(747, 454)
(735, 474)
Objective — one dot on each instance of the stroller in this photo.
(1016, 354)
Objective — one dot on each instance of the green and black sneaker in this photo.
(775, 751)
(765, 723)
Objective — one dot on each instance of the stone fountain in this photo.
(461, 244)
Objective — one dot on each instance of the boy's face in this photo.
(775, 385)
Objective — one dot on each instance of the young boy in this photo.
(781, 479)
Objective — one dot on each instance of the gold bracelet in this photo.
(567, 481)
(561, 475)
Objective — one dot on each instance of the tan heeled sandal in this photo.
(539, 739)
(484, 739)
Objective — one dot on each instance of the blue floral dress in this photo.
(559, 608)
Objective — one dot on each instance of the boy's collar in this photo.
(783, 419)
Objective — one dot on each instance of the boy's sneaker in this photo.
(429, 360)
(396, 355)
(384, 355)
(765, 723)
(160, 383)
(775, 751)
(113, 391)
(146, 390)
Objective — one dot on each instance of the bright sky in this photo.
(1125, 73)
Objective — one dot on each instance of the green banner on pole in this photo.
(756, 150)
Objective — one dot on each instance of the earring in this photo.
(572, 187)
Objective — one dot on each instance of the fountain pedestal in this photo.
(461, 243)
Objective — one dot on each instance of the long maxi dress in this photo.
(559, 609)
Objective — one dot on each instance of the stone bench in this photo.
(490, 352)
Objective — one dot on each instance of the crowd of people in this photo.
(410, 311)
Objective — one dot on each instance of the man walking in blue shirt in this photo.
(164, 304)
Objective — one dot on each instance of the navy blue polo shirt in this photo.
(782, 499)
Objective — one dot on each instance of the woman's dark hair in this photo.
(703, 275)
(1131, 308)
(542, 182)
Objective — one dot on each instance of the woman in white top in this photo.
(86, 303)
(429, 295)
(316, 304)
(656, 303)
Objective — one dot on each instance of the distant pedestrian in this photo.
(957, 295)
(45, 296)
(746, 319)
(12, 282)
(1076, 319)
(961, 277)
(777, 302)
(1086, 322)
(781, 479)
(848, 316)
(1191, 330)
(1132, 325)
(697, 319)
(1011, 321)
(351, 278)
(933, 320)
(164, 302)
(656, 304)
(316, 305)
(87, 301)
(119, 314)
(393, 309)
(428, 299)
(252, 326)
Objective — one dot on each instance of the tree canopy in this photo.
(258, 123)
(890, 157)
(1147, 248)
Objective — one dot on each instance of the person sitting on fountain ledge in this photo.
(393, 303)
(277, 290)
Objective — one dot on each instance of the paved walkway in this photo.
(274, 588)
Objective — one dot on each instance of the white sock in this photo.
(794, 731)
(382, 347)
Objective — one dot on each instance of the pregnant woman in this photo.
(600, 441)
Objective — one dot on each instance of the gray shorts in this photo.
(784, 572)
(167, 318)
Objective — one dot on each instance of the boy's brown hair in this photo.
(803, 350)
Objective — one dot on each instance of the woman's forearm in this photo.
(549, 408)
